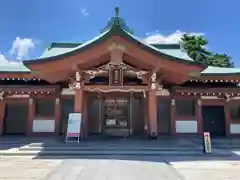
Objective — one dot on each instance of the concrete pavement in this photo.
(118, 168)
(214, 170)
(85, 169)
(25, 168)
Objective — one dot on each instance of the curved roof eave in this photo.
(220, 71)
(118, 31)
(158, 51)
(103, 36)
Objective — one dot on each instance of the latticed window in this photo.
(185, 107)
(235, 111)
(45, 107)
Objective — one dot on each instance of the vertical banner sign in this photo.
(74, 127)
(207, 142)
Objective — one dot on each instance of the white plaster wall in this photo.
(235, 128)
(40, 125)
(186, 126)
(209, 97)
(67, 91)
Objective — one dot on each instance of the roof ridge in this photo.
(64, 44)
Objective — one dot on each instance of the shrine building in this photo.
(122, 85)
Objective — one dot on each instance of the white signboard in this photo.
(110, 122)
(74, 126)
(207, 143)
(42, 125)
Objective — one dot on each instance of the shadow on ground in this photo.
(162, 158)
(9, 142)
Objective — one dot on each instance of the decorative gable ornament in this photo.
(77, 83)
(1, 95)
(116, 52)
(153, 81)
(116, 64)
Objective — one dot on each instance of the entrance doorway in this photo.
(214, 120)
(164, 116)
(115, 114)
(67, 107)
(15, 120)
(116, 119)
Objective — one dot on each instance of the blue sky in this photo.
(27, 26)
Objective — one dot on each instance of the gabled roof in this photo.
(13, 67)
(221, 71)
(61, 48)
(116, 29)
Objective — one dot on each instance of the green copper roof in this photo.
(164, 49)
(210, 70)
(57, 49)
(54, 52)
(168, 49)
(10, 67)
(117, 21)
(115, 29)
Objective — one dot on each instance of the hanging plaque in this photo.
(115, 76)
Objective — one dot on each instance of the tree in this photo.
(195, 47)
(220, 60)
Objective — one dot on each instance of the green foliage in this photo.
(195, 47)
(220, 60)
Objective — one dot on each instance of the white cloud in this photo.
(21, 46)
(84, 12)
(3, 59)
(168, 39)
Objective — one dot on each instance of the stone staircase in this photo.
(160, 147)
(57, 147)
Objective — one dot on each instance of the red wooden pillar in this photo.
(152, 107)
(78, 100)
(31, 114)
(2, 114)
(78, 106)
(227, 118)
(198, 107)
(57, 116)
(173, 116)
(146, 110)
(84, 114)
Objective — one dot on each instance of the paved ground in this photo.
(214, 170)
(113, 167)
(118, 168)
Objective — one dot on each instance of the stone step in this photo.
(109, 144)
(112, 145)
(107, 152)
(98, 148)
